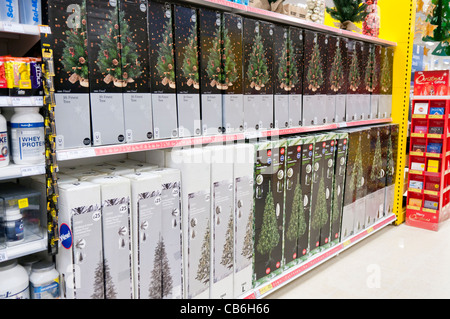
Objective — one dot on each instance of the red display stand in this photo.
(429, 158)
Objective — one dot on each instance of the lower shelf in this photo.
(316, 260)
(32, 244)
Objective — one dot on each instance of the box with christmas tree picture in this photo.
(387, 65)
(368, 64)
(211, 70)
(282, 63)
(232, 85)
(243, 172)
(162, 63)
(269, 209)
(134, 48)
(80, 259)
(258, 75)
(187, 71)
(106, 80)
(332, 77)
(375, 56)
(340, 168)
(68, 22)
(391, 168)
(296, 36)
(314, 90)
(194, 165)
(355, 74)
(337, 76)
(222, 222)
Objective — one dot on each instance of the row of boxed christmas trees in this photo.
(221, 219)
(128, 71)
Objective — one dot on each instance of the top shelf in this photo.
(431, 97)
(285, 19)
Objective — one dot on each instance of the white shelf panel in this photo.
(16, 171)
(11, 101)
(295, 272)
(87, 152)
(19, 28)
(285, 19)
(32, 245)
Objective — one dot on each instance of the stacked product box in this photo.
(386, 81)
(282, 60)
(296, 36)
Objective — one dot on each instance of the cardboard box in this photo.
(387, 71)
(162, 64)
(281, 75)
(116, 221)
(187, 71)
(106, 80)
(137, 99)
(211, 70)
(71, 87)
(243, 172)
(258, 81)
(145, 233)
(296, 92)
(376, 81)
(195, 168)
(367, 68)
(341, 93)
(233, 98)
(80, 257)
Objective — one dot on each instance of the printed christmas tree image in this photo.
(337, 71)
(335, 210)
(440, 20)
(269, 236)
(247, 249)
(297, 223)
(229, 61)
(320, 214)
(386, 75)
(110, 289)
(75, 56)
(203, 269)
(390, 165)
(99, 280)
(161, 280)
(257, 71)
(287, 71)
(377, 164)
(227, 255)
(166, 64)
(315, 72)
(117, 58)
(354, 75)
(370, 70)
(357, 177)
(190, 61)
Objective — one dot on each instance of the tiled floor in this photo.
(396, 262)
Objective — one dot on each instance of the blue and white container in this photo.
(30, 12)
(14, 279)
(27, 136)
(44, 281)
(9, 11)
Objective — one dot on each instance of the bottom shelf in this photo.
(315, 260)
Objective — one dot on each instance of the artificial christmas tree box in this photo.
(137, 100)
(80, 259)
(366, 87)
(162, 63)
(169, 244)
(340, 168)
(391, 168)
(187, 71)
(269, 208)
(296, 36)
(360, 207)
(194, 165)
(211, 70)
(243, 172)
(375, 55)
(68, 22)
(145, 233)
(353, 106)
(222, 222)
(106, 79)
(116, 222)
(387, 71)
(332, 76)
(258, 75)
(282, 50)
(314, 90)
(233, 98)
(340, 65)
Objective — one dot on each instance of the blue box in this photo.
(437, 110)
(434, 148)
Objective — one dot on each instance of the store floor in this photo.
(396, 262)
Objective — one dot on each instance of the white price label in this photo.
(3, 256)
(45, 29)
(32, 170)
(12, 27)
(21, 101)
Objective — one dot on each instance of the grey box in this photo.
(138, 117)
(107, 118)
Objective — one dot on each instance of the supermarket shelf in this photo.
(87, 152)
(285, 19)
(17, 38)
(19, 28)
(16, 171)
(11, 101)
(316, 260)
(32, 245)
